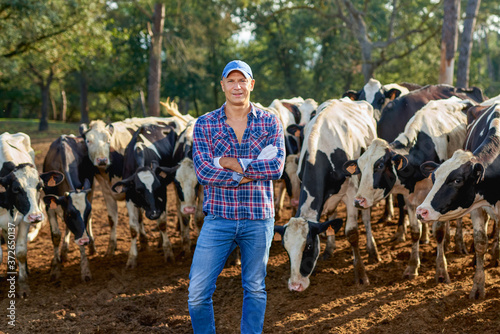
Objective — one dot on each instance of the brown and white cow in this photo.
(433, 134)
(20, 185)
(339, 133)
(468, 182)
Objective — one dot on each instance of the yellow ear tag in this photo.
(163, 174)
(53, 204)
(330, 231)
(277, 237)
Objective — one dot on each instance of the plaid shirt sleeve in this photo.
(271, 169)
(206, 172)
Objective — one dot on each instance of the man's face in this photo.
(237, 88)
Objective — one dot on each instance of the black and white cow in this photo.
(398, 112)
(147, 170)
(106, 147)
(70, 200)
(189, 191)
(377, 95)
(20, 186)
(433, 134)
(468, 182)
(339, 133)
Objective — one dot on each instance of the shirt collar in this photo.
(222, 113)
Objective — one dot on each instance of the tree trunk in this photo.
(155, 60)
(84, 108)
(64, 105)
(466, 43)
(449, 40)
(44, 89)
(143, 103)
(54, 109)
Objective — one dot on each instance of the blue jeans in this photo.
(218, 238)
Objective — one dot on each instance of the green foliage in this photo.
(297, 48)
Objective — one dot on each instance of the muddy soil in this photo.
(152, 298)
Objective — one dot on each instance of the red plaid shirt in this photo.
(223, 195)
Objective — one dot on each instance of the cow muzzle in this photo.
(422, 214)
(34, 218)
(360, 203)
(189, 210)
(83, 241)
(101, 161)
(153, 214)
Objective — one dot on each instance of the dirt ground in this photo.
(152, 298)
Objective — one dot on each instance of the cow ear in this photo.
(295, 130)
(7, 167)
(111, 129)
(2, 186)
(478, 172)
(335, 224)
(87, 187)
(427, 168)
(352, 94)
(52, 201)
(392, 93)
(121, 187)
(52, 178)
(83, 129)
(350, 168)
(279, 232)
(166, 174)
(400, 161)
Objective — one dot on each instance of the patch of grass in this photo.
(30, 127)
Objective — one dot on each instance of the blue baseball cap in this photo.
(237, 65)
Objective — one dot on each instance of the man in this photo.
(237, 151)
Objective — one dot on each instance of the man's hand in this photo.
(245, 180)
(231, 163)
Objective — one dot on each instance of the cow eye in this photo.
(39, 186)
(458, 180)
(16, 189)
(380, 165)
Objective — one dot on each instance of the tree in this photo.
(449, 40)
(466, 43)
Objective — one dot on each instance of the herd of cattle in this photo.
(435, 147)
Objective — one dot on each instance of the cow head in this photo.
(187, 186)
(147, 188)
(454, 192)
(98, 139)
(301, 241)
(20, 188)
(76, 211)
(378, 167)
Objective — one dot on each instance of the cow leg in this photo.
(447, 238)
(495, 249)
(184, 223)
(55, 267)
(424, 236)
(480, 227)
(441, 264)
(35, 230)
(371, 245)
(92, 248)
(400, 235)
(112, 208)
(84, 265)
(167, 245)
(388, 215)
(411, 270)
(352, 233)
(133, 213)
(65, 245)
(333, 202)
(22, 255)
(143, 237)
(459, 238)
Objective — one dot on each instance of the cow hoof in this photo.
(23, 290)
(477, 292)
(385, 220)
(111, 250)
(131, 263)
(92, 249)
(55, 270)
(398, 238)
(442, 277)
(460, 249)
(363, 281)
(410, 273)
(86, 277)
(424, 241)
(327, 256)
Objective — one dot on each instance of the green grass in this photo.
(30, 127)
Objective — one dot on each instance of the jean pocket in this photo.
(210, 217)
